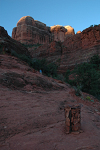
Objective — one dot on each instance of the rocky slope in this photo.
(32, 105)
(32, 111)
(9, 45)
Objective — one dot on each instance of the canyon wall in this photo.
(80, 48)
(58, 43)
(74, 50)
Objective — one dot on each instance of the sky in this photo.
(80, 14)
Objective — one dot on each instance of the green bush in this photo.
(88, 98)
(87, 75)
(49, 69)
(78, 90)
(1, 49)
(31, 45)
(60, 77)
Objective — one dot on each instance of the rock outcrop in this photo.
(9, 45)
(78, 32)
(58, 33)
(30, 31)
(70, 31)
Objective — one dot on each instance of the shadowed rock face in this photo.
(74, 50)
(9, 45)
(58, 33)
(80, 47)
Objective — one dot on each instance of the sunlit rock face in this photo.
(58, 32)
(70, 31)
(78, 32)
(30, 31)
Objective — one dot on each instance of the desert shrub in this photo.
(31, 45)
(13, 53)
(22, 57)
(95, 25)
(68, 72)
(1, 48)
(60, 77)
(78, 90)
(49, 69)
(25, 58)
(88, 76)
(91, 25)
(96, 61)
(88, 98)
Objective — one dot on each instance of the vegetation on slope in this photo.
(86, 76)
(49, 69)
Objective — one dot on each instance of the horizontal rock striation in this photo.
(52, 52)
(74, 50)
(80, 47)
(58, 43)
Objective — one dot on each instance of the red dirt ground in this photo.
(32, 111)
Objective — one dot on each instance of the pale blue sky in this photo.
(79, 14)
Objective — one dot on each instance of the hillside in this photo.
(32, 109)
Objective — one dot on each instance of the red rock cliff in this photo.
(10, 45)
(30, 31)
(74, 50)
(80, 47)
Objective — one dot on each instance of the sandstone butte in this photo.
(30, 31)
(59, 44)
(32, 106)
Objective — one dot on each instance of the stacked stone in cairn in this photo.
(73, 118)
